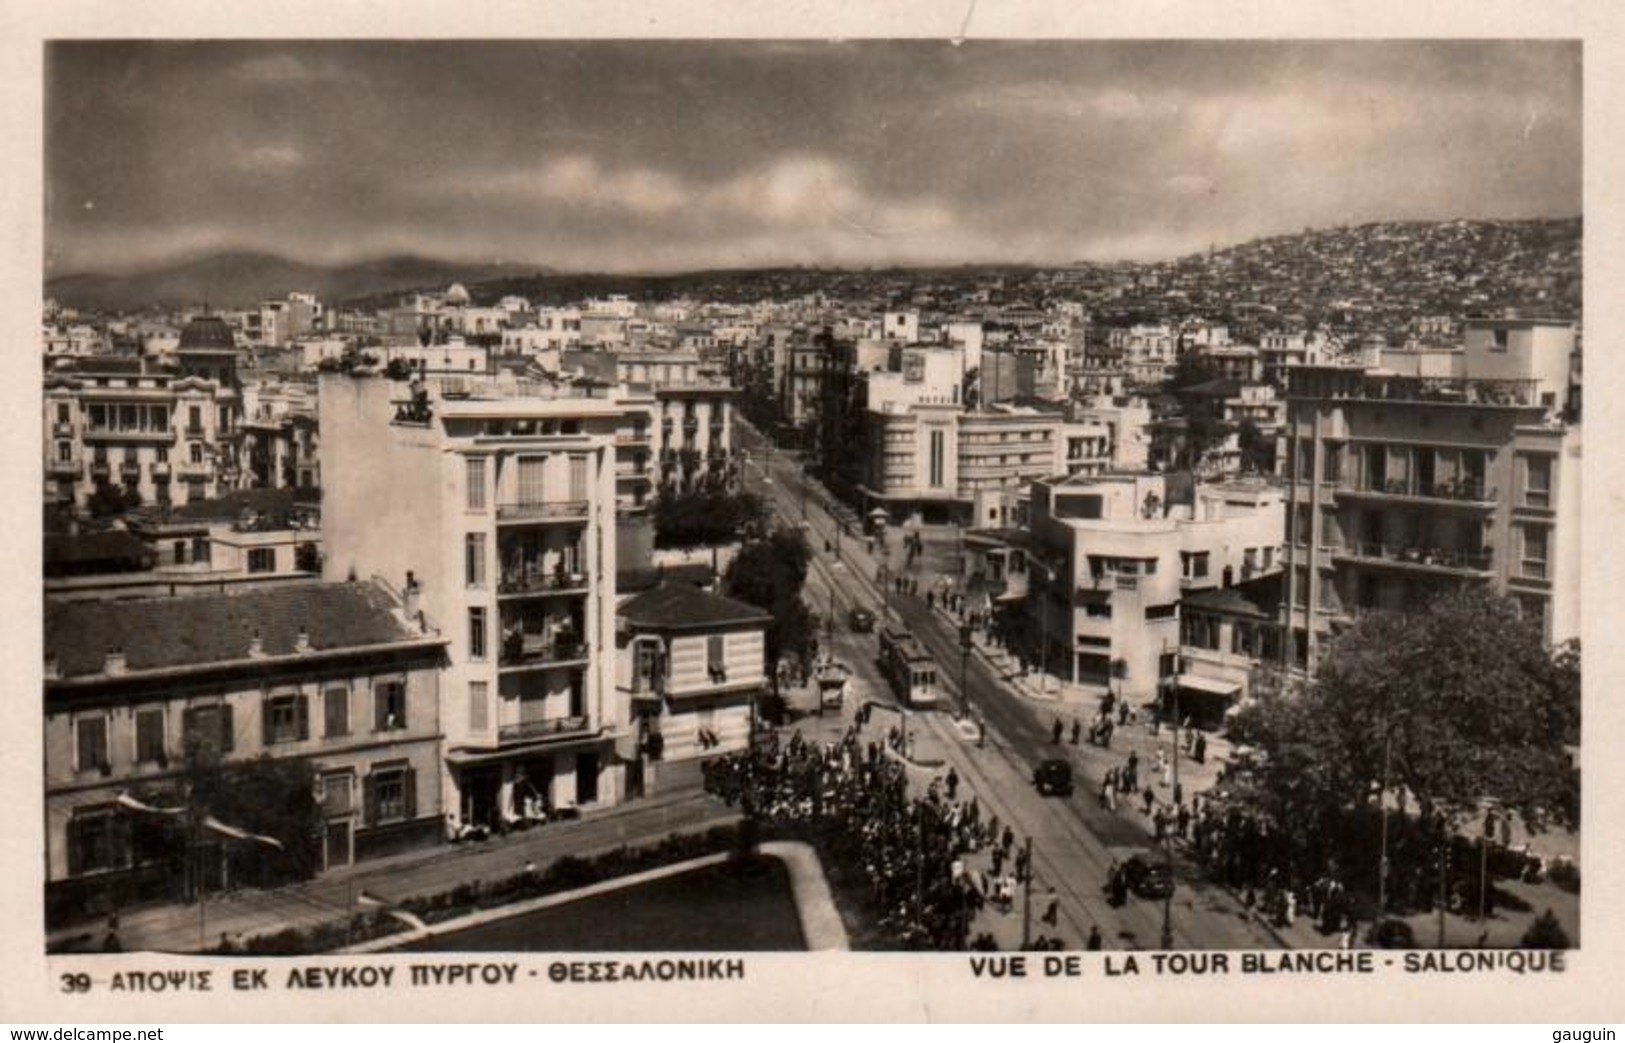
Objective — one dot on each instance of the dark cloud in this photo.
(630, 155)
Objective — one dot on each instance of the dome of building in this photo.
(458, 294)
(207, 333)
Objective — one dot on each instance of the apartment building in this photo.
(1426, 470)
(168, 433)
(1111, 560)
(492, 501)
(335, 673)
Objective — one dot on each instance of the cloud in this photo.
(268, 158)
(795, 191)
(286, 68)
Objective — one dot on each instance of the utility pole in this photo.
(964, 662)
(1167, 834)
(1027, 899)
(1382, 803)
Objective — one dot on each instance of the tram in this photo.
(908, 668)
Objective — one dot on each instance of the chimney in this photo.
(256, 647)
(113, 664)
(411, 596)
(301, 642)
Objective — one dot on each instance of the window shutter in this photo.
(369, 800)
(409, 791)
(303, 705)
(228, 732)
(267, 733)
(76, 844)
(380, 707)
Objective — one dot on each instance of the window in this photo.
(1331, 463)
(197, 452)
(474, 559)
(63, 413)
(479, 698)
(1098, 610)
(935, 479)
(476, 633)
(337, 793)
(149, 737)
(208, 728)
(389, 706)
(64, 452)
(200, 549)
(578, 478)
(1161, 611)
(95, 841)
(532, 469)
(1196, 563)
(1499, 343)
(1537, 488)
(262, 559)
(194, 418)
(716, 659)
(474, 470)
(91, 735)
(336, 712)
(1534, 551)
(390, 795)
(163, 454)
(286, 718)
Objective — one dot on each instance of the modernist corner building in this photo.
(334, 672)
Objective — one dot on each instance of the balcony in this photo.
(635, 438)
(531, 582)
(61, 430)
(130, 468)
(194, 471)
(545, 728)
(129, 435)
(194, 431)
(63, 468)
(1465, 491)
(160, 470)
(100, 469)
(1426, 559)
(555, 511)
(529, 652)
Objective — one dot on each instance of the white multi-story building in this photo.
(492, 502)
(1111, 561)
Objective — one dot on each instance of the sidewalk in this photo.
(245, 914)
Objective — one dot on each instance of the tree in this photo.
(706, 515)
(769, 574)
(1469, 701)
(1546, 932)
(1257, 449)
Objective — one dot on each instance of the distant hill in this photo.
(240, 279)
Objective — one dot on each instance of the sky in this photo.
(662, 156)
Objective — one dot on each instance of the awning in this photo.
(1208, 685)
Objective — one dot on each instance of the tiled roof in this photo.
(679, 605)
(633, 581)
(1227, 600)
(155, 633)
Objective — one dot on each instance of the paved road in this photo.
(1074, 840)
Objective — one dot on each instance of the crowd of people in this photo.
(913, 852)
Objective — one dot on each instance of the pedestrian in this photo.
(952, 783)
(1179, 793)
(1052, 909)
(1055, 732)
(1150, 796)
(1106, 735)
(1077, 731)
(1106, 786)
(1122, 713)
(1199, 751)
(1008, 839)
(1093, 942)
(111, 942)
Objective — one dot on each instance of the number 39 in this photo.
(75, 983)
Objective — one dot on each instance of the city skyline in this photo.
(620, 156)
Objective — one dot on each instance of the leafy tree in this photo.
(1546, 933)
(1257, 449)
(708, 514)
(769, 574)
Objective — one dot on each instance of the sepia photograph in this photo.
(670, 502)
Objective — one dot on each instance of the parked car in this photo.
(861, 620)
(1148, 879)
(1053, 778)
